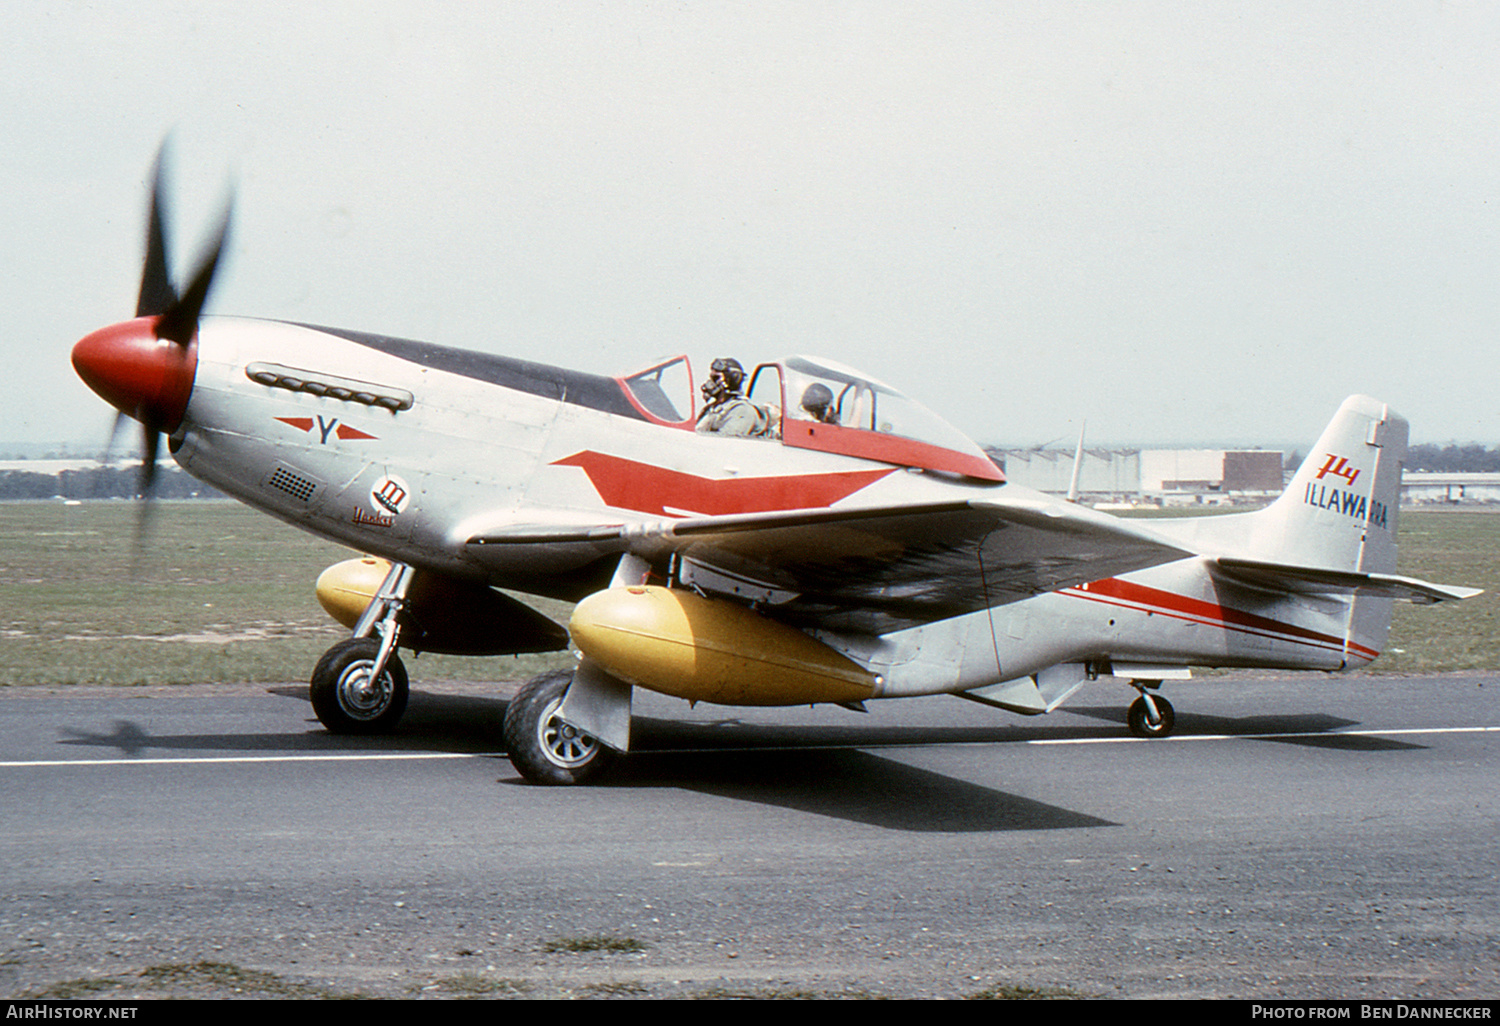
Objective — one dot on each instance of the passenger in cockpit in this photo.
(817, 403)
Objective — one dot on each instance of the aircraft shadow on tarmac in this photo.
(819, 769)
(474, 724)
(812, 769)
(851, 785)
(471, 724)
(1311, 730)
(433, 723)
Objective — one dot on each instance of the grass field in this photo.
(1449, 545)
(221, 593)
(217, 593)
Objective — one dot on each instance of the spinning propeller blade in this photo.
(157, 294)
(145, 367)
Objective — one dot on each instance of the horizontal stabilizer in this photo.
(1317, 580)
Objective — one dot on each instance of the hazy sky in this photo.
(1184, 222)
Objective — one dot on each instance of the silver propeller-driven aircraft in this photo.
(853, 547)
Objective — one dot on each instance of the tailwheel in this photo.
(543, 748)
(349, 697)
(1151, 716)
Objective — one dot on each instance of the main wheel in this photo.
(542, 747)
(347, 699)
(1140, 721)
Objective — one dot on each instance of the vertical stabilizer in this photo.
(1339, 511)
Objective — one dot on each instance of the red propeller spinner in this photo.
(141, 375)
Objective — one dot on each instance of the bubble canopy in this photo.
(813, 403)
(832, 408)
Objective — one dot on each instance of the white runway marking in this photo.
(398, 756)
(331, 757)
(1265, 737)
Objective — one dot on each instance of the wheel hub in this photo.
(564, 744)
(362, 696)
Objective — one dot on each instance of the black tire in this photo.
(1140, 724)
(543, 748)
(342, 697)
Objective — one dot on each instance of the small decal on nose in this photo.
(390, 495)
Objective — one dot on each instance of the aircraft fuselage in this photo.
(409, 451)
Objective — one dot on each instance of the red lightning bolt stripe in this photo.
(627, 484)
(1128, 595)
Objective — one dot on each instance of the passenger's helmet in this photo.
(817, 399)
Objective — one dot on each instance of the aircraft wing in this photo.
(881, 569)
(1316, 580)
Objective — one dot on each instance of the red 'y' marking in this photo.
(626, 484)
(1114, 591)
(343, 431)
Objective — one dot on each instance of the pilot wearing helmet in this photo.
(726, 411)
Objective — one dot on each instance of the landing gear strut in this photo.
(360, 685)
(1150, 716)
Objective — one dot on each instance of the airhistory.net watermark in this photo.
(44, 1010)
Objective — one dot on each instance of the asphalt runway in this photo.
(1302, 836)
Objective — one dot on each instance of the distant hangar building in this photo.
(1166, 472)
(1165, 476)
(1418, 486)
(1111, 474)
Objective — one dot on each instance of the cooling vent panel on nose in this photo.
(291, 482)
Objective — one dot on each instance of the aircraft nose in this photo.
(142, 376)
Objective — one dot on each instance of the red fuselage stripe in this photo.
(1126, 594)
(873, 445)
(627, 484)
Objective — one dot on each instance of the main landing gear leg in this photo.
(544, 748)
(568, 727)
(1150, 716)
(360, 684)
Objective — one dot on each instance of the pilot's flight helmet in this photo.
(725, 377)
(730, 369)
